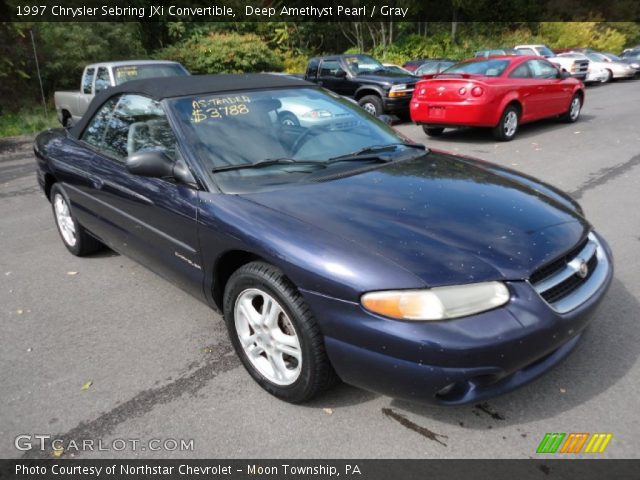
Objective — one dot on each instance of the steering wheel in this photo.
(302, 139)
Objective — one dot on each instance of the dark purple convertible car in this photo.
(335, 248)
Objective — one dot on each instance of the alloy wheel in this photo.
(65, 221)
(268, 337)
(510, 124)
(574, 110)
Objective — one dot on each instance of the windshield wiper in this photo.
(368, 153)
(265, 163)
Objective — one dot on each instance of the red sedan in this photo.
(498, 92)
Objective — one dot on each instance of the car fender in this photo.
(509, 97)
(578, 88)
(369, 89)
(312, 258)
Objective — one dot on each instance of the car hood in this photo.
(446, 219)
(386, 77)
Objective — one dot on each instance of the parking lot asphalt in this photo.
(157, 364)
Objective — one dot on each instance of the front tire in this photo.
(73, 235)
(288, 119)
(609, 76)
(371, 104)
(508, 124)
(433, 131)
(575, 107)
(275, 335)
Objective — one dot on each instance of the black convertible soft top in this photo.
(179, 86)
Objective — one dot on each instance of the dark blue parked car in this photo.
(335, 249)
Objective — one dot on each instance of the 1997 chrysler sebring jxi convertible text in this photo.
(335, 249)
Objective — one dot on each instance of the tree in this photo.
(65, 48)
(223, 53)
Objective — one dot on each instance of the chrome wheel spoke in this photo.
(250, 314)
(270, 313)
(282, 338)
(289, 350)
(254, 350)
(278, 367)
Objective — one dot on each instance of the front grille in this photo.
(558, 264)
(565, 288)
(565, 283)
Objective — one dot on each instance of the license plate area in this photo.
(436, 112)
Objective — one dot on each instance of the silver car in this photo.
(304, 112)
(613, 69)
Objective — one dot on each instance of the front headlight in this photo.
(318, 113)
(437, 303)
(400, 86)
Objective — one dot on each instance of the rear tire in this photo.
(67, 119)
(573, 113)
(433, 131)
(372, 104)
(275, 334)
(74, 236)
(508, 124)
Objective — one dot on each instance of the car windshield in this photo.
(358, 64)
(136, 72)
(293, 132)
(488, 68)
(596, 57)
(545, 52)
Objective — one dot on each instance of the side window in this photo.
(543, 70)
(94, 133)
(87, 80)
(427, 68)
(138, 123)
(329, 68)
(102, 79)
(521, 72)
(312, 69)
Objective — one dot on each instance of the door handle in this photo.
(97, 182)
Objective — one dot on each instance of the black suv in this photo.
(363, 78)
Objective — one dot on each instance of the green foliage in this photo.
(65, 48)
(295, 63)
(30, 120)
(597, 35)
(223, 53)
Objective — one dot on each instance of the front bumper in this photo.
(397, 104)
(596, 76)
(457, 361)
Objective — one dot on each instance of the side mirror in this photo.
(386, 119)
(156, 164)
(340, 73)
(564, 74)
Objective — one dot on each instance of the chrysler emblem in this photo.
(583, 269)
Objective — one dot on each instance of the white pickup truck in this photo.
(96, 77)
(578, 68)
